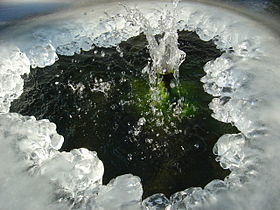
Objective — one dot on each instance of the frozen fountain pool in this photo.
(243, 82)
(99, 100)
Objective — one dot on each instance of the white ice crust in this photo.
(244, 82)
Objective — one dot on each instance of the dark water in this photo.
(13, 11)
(105, 120)
(264, 6)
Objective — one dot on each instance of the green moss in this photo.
(186, 91)
(164, 95)
(140, 96)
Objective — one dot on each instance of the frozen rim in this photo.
(244, 82)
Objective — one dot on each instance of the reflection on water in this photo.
(17, 11)
(269, 6)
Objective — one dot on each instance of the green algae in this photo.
(167, 100)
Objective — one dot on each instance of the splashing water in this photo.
(164, 51)
(166, 58)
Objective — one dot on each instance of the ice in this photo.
(77, 174)
(244, 81)
(230, 150)
(216, 186)
(13, 64)
(189, 198)
(74, 177)
(156, 202)
(45, 50)
(123, 192)
(18, 189)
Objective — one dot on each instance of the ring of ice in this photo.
(244, 82)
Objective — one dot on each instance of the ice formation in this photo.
(244, 82)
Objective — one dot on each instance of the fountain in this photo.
(242, 81)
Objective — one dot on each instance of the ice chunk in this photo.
(42, 55)
(230, 150)
(189, 198)
(156, 202)
(13, 64)
(123, 192)
(74, 175)
(216, 186)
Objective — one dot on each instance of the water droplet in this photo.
(141, 121)
(149, 141)
(129, 157)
